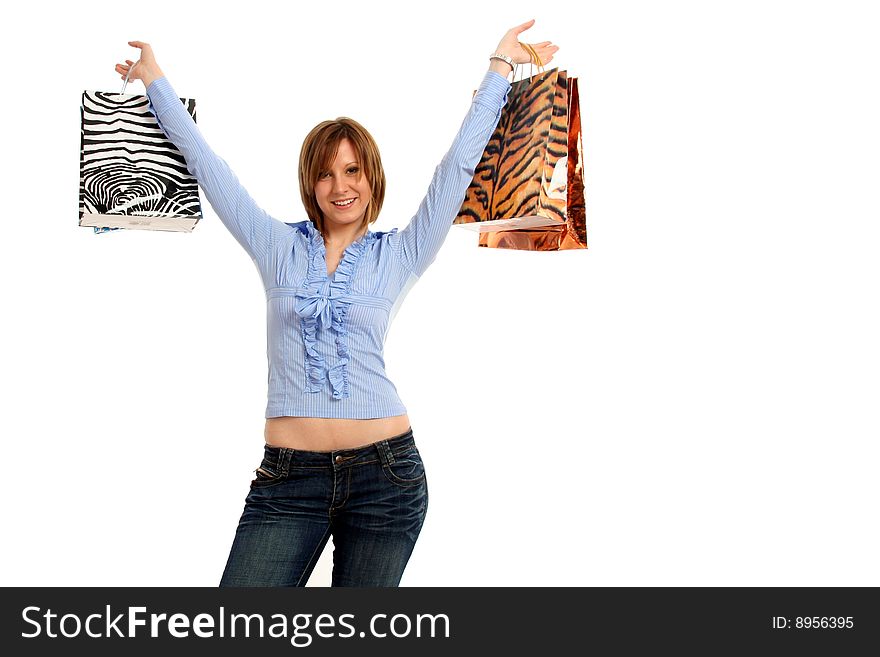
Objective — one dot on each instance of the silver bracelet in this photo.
(503, 58)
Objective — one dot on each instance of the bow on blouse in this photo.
(317, 303)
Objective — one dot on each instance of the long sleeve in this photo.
(251, 226)
(419, 242)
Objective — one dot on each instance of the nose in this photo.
(339, 185)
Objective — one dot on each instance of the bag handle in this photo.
(130, 69)
(533, 61)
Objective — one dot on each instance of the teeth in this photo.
(342, 204)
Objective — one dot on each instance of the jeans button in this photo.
(338, 459)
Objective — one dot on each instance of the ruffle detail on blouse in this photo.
(320, 302)
(314, 360)
(338, 374)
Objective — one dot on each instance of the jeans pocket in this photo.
(268, 474)
(407, 470)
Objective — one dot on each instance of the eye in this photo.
(353, 170)
(323, 175)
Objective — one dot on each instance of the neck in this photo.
(341, 237)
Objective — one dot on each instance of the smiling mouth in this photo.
(343, 204)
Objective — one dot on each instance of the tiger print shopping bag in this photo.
(131, 175)
(528, 190)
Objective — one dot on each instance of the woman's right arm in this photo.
(251, 226)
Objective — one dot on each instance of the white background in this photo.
(692, 401)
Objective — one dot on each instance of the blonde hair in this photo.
(318, 153)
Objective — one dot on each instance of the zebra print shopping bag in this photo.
(528, 191)
(131, 176)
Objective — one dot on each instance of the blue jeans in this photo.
(372, 500)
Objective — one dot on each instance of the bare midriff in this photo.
(318, 434)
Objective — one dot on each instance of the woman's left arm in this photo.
(418, 243)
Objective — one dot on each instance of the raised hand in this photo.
(510, 46)
(144, 69)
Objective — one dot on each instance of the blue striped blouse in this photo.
(326, 335)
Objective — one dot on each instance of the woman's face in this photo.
(343, 193)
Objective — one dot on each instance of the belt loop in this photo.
(385, 454)
(284, 460)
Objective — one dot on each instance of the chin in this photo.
(344, 222)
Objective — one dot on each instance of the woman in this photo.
(340, 457)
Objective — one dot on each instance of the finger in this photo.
(544, 53)
(538, 47)
(519, 29)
